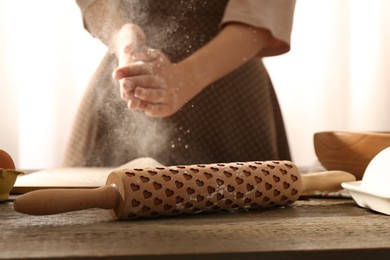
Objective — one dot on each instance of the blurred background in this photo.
(336, 76)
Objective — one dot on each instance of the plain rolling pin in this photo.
(157, 191)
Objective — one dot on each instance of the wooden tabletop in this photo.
(315, 228)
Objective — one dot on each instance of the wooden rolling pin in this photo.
(157, 191)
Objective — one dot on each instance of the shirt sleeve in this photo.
(101, 18)
(276, 16)
(84, 4)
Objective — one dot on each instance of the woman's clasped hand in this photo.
(148, 80)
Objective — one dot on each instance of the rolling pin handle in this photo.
(54, 201)
(327, 181)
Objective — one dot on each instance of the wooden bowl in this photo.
(349, 151)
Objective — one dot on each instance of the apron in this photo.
(237, 118)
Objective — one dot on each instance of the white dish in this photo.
(367, 199)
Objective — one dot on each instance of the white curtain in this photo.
(335, 77)
(46, 61)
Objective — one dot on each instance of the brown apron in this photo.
(235, 119)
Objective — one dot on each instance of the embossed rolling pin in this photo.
(157, 191)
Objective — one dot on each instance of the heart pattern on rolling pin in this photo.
(174, 190)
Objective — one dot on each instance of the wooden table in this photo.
(315, 228)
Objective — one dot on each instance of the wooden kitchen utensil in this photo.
(151, 192)
(349, 151)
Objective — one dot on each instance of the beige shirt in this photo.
(276, 16)
(273, 15)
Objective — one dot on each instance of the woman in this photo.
(202, 95)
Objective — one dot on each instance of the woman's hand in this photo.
(128, 41)
(149, 82)
(153, 84)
